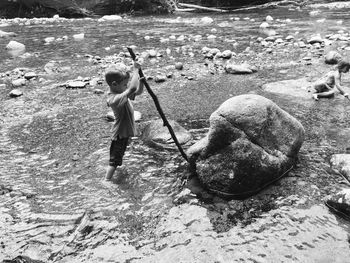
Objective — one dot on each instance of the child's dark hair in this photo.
(117, 73)
(343, 65)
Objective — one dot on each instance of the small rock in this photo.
(110, 18)
(227, 54)
(238, 69)
(98, 91)
(152, 53)
(15, 93)
(18, 82)
(160, 78)
(264, 25)
(30, 75)
(269, 18)
(75, 157)
(79, 36)
(49, 39)
(316, 39)
(211, 37)
(110, 116)
(14, 45)
(288, 38)
(179, 66)
(76, 84)
(206, 20)
(2, 86)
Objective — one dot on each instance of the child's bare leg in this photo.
(322, 90)
(110, 172)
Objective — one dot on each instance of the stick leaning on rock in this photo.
(159, 109)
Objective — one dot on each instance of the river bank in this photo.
(54, 144)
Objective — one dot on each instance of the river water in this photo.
(35, 162)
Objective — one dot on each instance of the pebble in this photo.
(179, 66)
(15, 93)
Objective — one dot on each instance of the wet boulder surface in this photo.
(251, 143)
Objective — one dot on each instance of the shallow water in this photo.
(63, 186)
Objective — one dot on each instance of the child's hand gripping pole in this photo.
(159, 109)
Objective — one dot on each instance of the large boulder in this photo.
(251, 143)
(156, 134)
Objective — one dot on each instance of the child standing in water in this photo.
(327, 85)
(122, 89)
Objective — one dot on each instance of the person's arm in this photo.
(339, 86)
(119, 100)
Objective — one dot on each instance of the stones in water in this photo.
(156, 134)
(332, 57)
(251, 143)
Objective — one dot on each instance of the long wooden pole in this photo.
(159, 109)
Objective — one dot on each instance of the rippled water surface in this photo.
(151, 176)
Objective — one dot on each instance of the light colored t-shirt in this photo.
(124, 124)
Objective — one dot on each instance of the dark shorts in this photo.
(117, 150)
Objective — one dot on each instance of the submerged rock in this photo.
(251, 142)
(157, 135)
